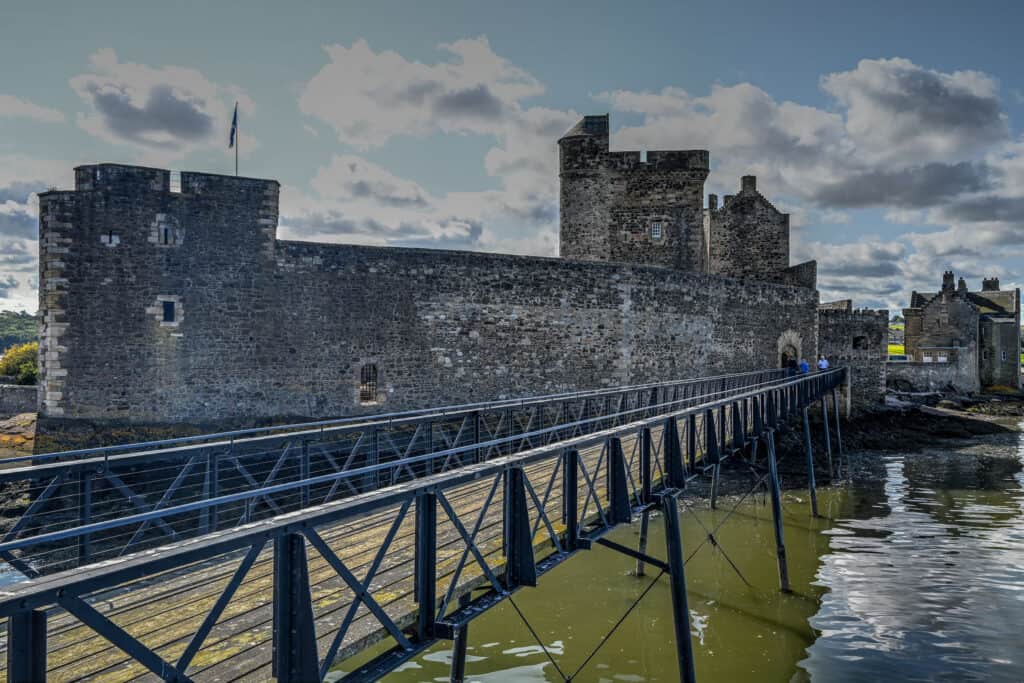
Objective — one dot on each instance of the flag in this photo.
(234, 128)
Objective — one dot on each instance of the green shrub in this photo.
(21, 362)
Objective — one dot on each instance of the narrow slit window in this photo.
(168, 311)
(368, 383)
(165, 235)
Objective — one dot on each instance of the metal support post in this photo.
(84, 515)
(677, 578)
(645, 465)
(26, 647)
(776, 495)
(520, 568)
(425, 578)
(570, 497)
(810, 465)
(304, 474)
(828, 435)
(295, 653)
(839, 434)
(461, 640)
(675, 474)
(619, 510)
(712, 454)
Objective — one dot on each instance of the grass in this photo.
(896, 349)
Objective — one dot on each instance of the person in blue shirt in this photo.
(804, 367)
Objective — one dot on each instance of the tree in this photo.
(21, 362)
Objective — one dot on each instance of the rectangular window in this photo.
(656, 231)
(943, 359)
(926, 359)
(168, 311)
(1004, 356)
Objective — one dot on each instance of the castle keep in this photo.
(168, 299)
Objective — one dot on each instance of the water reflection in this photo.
(934, 589)
(917, 577)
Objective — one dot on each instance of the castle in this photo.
(169, 299)
(970, 340)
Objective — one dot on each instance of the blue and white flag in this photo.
(234, 128)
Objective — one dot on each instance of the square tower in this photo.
(630, 207)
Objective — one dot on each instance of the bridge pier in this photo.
(645, 493)
(828, 436)
(458, 671)
(776, 495)
(677, 579)
(810, 464)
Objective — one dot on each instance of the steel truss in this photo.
(573, 492)
(80, 488)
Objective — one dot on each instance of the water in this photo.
(919, 577)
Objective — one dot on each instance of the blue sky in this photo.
(890, 131)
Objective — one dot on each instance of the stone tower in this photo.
(630, 207)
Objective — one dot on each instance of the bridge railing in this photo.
(79, 488)
(395, 562)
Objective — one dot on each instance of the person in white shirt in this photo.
(823, 363)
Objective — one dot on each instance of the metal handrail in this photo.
(521, 458)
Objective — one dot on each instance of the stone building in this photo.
(975, 334)
(856, 339)
(168, 299)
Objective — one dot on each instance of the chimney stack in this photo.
(748, 183)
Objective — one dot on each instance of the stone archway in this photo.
(790, 346)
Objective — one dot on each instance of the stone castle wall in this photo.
(859, 340)
(265, 328)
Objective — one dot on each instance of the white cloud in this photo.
(369, 97)
(163, 113)
(898, 111)
(16, 107)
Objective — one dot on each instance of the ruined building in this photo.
(169, 299)
(970, 340)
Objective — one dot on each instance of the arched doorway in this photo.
(790, 346)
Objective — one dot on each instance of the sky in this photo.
(893, 133)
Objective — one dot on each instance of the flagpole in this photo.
(238, 139)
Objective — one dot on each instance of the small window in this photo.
(368, 383)
(943, 359)
(926, 359)
(861, 344)
(1004, 356)
(165, 235)
(168, 311)
(110, 238)
(656, 231)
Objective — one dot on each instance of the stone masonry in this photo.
(167, 305)
(857, 339)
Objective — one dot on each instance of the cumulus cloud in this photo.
(369, 98)
(16, 107)
(163, 113)
(7, 285)
(896, 110)
(19, 209)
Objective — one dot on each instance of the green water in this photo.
(917, 577)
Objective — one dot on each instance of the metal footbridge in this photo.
(283, 552)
